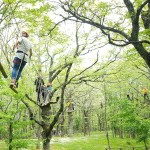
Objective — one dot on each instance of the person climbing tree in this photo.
(70, 105)
(46, 93)
(49, 87)
(145, 93)
(39, 82)
(23, 46)
(128, 96)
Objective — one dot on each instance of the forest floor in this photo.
(94, 141)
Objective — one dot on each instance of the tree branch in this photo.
(130, 8)
(27, 96)
(31, 114)
(91, 22)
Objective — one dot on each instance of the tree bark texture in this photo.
(70, 123)
(46, 134)
(86, 122)
(10, 135)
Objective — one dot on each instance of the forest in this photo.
(95, 57)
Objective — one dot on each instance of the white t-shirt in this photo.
(24, 45)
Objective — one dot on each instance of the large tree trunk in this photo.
(46, 135)
(143, 53)
(46, 140)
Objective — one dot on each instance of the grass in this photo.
(96, 141)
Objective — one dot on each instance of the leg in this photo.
(23, 63)
(38, 97)
(16, 65)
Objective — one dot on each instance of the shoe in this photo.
(16, 84)
(13, 83)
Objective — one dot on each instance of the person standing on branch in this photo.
(23, 54)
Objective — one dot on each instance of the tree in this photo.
(62, 69)
(97, 14)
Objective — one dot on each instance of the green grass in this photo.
(96, 141)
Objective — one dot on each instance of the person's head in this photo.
(25, 34)
(49, 84)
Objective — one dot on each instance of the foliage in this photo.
(129, 116)
(72, 61)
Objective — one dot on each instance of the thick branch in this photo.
(141, 7)
(91, 22)
(27, 96)
(31, 114)
(130, 8)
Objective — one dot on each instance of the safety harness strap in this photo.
(21, 52)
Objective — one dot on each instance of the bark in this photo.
(3, 71)
(62, 129)
(46, 134)
(10, 135)
(143, 53)
(70, 123)
(86, 123)
(46, 140)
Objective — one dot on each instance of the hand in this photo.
(14, 47)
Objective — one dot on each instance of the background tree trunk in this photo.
(70, 123)
(62, 128)
(10, 135)
(86, 123)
